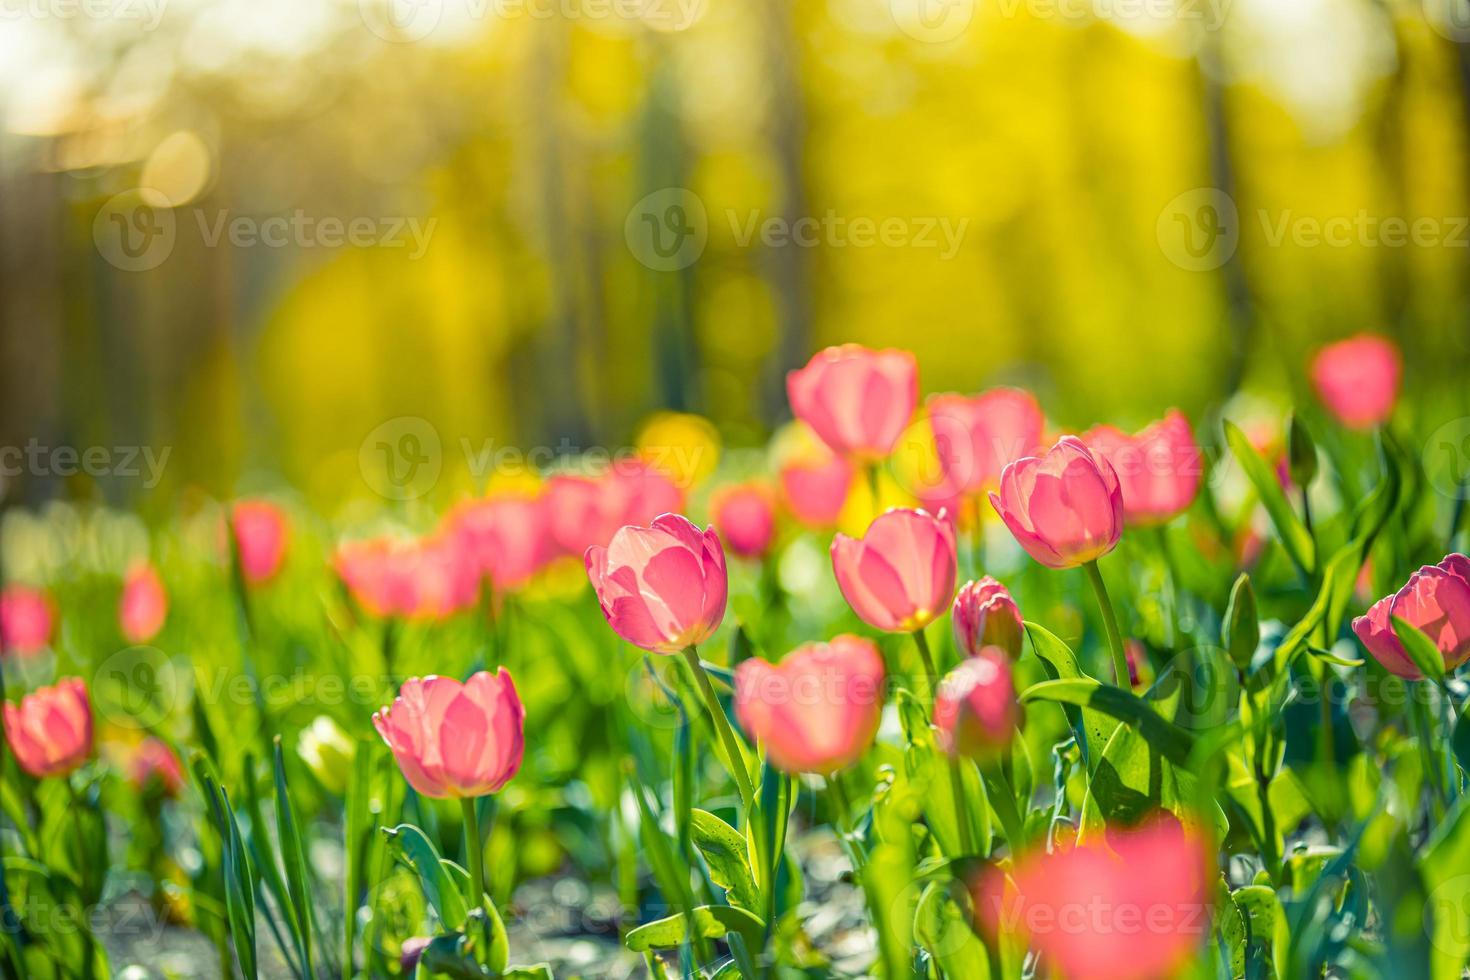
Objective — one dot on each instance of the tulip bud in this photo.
(1301, 454)
(985, 615)
(976, 710)
(454, 740)
(327, 751)
(50, 731)
(143, 605)
(858, 401)
(1065, 508)
(1436, 600)
(1241, 633)
(1358, 379)
(899, 576)
(662, 587)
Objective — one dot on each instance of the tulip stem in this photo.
(475, 855)
(873, 487)
(930, 674)
(735, 756)
(961, 806)
(1110, 623)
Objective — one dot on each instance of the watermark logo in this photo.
(402, 458)
(1199, 230)
(133, 232)
(1447, 459)
(129, 462)
(932, 21)
(148, 13)
(401, 21)
(1449, 18)
(667, 230)
(138, 688)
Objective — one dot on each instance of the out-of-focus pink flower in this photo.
(262, 533)
(153, 762)
(1436, 599)
(1132, 906)
(900, 575)
(814, 484)
(504, 538)
(975, 710)
(1358, 379)
(661, 587)
(25, 619)
(858, 401)
(411, 952)
(143, 605)
(985, 615)
(50, 731)
(1159, 470)
(818, 709)
(1065, 508)
(975, 437)
(745, 516)
(414, 579)
(583, 511)
(456, 740)
(1140, 671)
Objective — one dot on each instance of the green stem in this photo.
(475, 855)
(930, 674)
(961, 806)
(1003, 803)
(873, 485)
(1110, 623)
(1433, 771)
(734, 756)
(856, 853)
(1171, 589)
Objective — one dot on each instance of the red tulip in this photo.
(584, 511)
(1358, 379)
(858, 401)
(745, 515)
(153, 762)
(418, 579)
(814, 485)
(1159, 469)
(25, 619)
(818, 709)
(503, 538)
(661, 587)
(143, 605)
(900, 575)
(985, 615)
(1436, 599)
(976, 711)
(454, 740)
(1132, 906)
(976, 437)
(261, 535)
(50, 732)
(1065, 508)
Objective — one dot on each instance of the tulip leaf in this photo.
(1442, 865)
(1293, 534)
(293, 856)
(942, 926)
(710, 922)
(724, 850)
(239, 875)
(439, 887)
(1420, 648)
(1091, 728)
(1173, 742)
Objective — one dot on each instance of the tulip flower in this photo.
(976, 710)
(261, 534)
(50, 731)
(1132, 904)
(453, 740)
(583, 511)
(153, 763)
(1358, 379)
(503, 538)
(327, 751)
(815, 482)
(1436, 600)
(26, 620)
(745, 515)
(858, 401)
(143, 605)
(816, 711)
(976, 437)
(900, 575)
(985, 615)
(417, 579)
(1158, 470)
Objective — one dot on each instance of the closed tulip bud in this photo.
(1065, 508)
(818, 709)
(327, 751)
(1159, 469)
(661, 587)
(50, 732)
(858, 401)
(1436, 600)
(745, 516)
(985, 615)
(1358, 379)
(262, 533)
(976, 711)
(454, 740)
(900, 575)
(143, 605)
(26, 620)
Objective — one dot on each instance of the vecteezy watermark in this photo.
(402, 458)
(135, 231)
(1448, 18)
(147, 13)
(1199, 230)
(130, 916)
(1447, 459)
(129, 462)
(932, 21)
(941, 21)
(669, 229)
(405, 21)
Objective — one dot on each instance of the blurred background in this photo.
(249, 234)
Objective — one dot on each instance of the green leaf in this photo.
(1091, 728)
(1442, 864)
(294, 859)
(942, 926)
(724, 850)
(358, 834)
(1420, 648)
(710, 922)
(1171, 741)
(441, 890)
(1293, 535)
(1240, 632)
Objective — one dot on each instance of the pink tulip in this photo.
(1133, 905)
(858, 401)
(503, 538)
(745, 515)
(1159, 469)
(815, 486)
(143, 605)
(262, 532)
(418, 579)
(584, 511)
(1436, 599)
(50, 732)
(900, 575)
(976, 711)
(1358, 379)
(818, 709)
(1065, 508)
(456, 740)
(154, 763)
(661, 587)
(985, 615)
(25, 620)
(976, 437)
